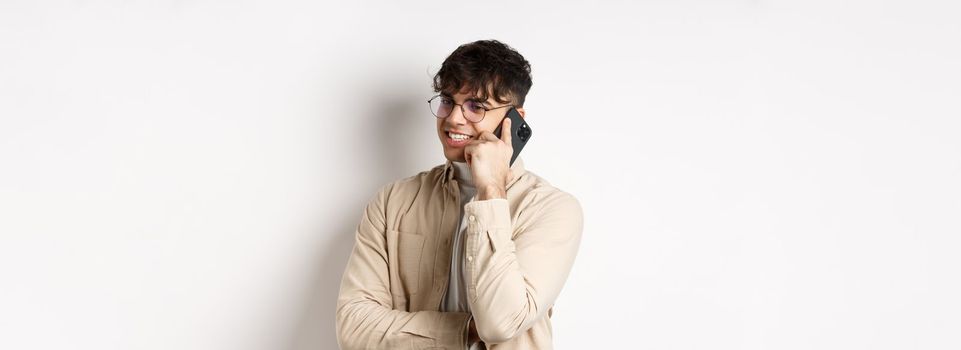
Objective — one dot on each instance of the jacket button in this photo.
(471, 218)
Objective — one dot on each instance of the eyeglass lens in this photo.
(442, 106)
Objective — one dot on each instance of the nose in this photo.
(456, 116)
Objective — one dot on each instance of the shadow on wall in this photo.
(395, 119)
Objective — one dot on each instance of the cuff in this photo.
(488, 214)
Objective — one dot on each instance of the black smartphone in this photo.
(520, 132)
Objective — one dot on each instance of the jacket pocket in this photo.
(410, 252)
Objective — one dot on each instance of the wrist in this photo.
(491, 192)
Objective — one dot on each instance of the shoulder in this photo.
(537, 193)
(544, 210)
(408, 187)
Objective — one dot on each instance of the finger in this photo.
(487, 136)
(506, 131)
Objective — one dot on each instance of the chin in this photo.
(456, 157)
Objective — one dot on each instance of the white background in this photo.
(754, 174)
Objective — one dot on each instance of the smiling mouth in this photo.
(458, 137)
(457, 140)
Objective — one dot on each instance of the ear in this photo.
(520, 110)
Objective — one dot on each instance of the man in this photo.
(472, 253)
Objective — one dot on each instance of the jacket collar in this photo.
(517, 170)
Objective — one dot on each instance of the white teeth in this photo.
(458, 137)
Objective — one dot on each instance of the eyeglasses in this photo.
(473, 111)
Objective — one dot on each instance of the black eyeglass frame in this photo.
(464, 112)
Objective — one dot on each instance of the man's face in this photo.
(455, 123)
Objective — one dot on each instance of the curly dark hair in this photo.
(487, 67)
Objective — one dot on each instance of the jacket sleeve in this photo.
(365, 316)
(515, 278)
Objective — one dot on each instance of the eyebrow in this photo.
(475, 98)
(478, 100)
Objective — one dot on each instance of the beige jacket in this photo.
(518, 252)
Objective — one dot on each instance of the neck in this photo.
(462, 173)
